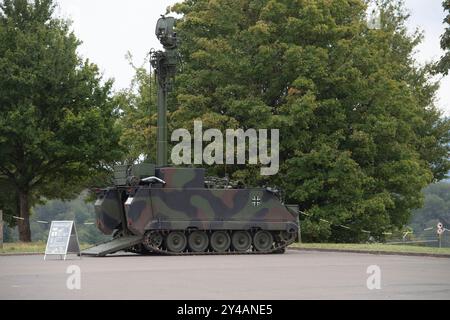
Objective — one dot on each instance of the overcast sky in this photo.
(110, 28)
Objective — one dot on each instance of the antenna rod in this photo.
(161, 146)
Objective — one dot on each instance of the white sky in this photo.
(110, 28)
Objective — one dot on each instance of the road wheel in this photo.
(152, 239)
(263, 241)
(198, 241)
(287, 236)
(220, 241)
(241, 241)
(176, 241)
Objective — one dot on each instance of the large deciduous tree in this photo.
(444, 64)
(57, 124)
(360, 135)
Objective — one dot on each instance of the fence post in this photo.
(1, 229)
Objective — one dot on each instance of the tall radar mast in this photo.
(165, 65)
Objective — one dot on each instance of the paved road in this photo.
(294, 275)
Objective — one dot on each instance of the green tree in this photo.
(360, 136)
(444, 64)
(138, 116)
(57, 128)
(436, 207)
(9, 202)
(78, 210)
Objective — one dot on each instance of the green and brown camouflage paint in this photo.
(184, 203)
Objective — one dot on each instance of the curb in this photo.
(411, 254)
(21, 254)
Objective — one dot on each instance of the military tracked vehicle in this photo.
(155, 208)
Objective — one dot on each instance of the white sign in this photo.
(62, 239)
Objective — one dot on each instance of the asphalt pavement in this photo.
(293, 275)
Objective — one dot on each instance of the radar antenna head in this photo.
(165, 33)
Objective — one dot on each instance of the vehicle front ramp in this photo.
(112, 246)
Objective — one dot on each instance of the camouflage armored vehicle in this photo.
(170, 210)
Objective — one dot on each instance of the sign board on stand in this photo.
(62, 239)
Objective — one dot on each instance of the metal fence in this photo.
(438, 236)
(427, 238)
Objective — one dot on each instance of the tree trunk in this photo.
(24, 225)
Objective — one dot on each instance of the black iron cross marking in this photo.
(256, 201)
